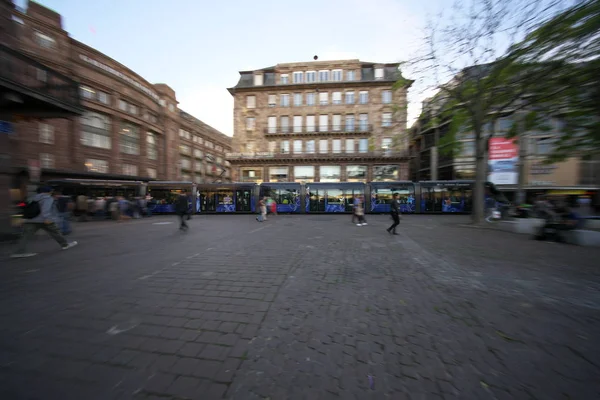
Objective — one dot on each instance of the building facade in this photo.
(130, 129)
(322, 121)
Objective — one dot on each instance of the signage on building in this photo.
(541, 169)
(121, 75)
(503, 162)
(542, 183)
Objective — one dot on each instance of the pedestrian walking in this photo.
(359, 211)
(64, 205)
(262, 207)
(395, 213)
(181, 208)
(41, 213)
(354, 206)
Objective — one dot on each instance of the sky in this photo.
(198, 47)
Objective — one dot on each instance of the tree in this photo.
(562, 57)
(469, 48)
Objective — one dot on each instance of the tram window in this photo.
(164, 196)
(286, 196)
(335, 196)
(225, 197)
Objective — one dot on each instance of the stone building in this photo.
(130, 128)
(322, 121)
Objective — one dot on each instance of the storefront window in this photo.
(304, 173)
(356, 173)
(278, 174)
(251, 175)
(330, 173)
(383, 173)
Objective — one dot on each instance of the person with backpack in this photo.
(41, 213)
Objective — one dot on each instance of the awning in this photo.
(567, 192)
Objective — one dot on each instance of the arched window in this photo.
(95, 130)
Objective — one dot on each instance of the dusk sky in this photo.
(197, 47)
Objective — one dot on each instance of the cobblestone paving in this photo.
(301, 307)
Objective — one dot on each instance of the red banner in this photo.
(503, 149)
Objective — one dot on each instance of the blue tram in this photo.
(381, 196)
(163, 195)
(331, 197)
(225, 197)
(287, 196)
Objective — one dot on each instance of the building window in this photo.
(310, 99)
(350, 75)
(350, 146)
(323, 123)
(310, 123)
(200, 140)
(94, 165)
(310, 147)
(363, 120)
(350, 123)
(278, 174)
(258, 80)
(184, 134)
(349, 97)
(133, 109)
(95, 130)
(356, 173)
(324, 76)
(323, 98)
(87, 93)
(186, 177)
(46, 133)
(129, 140)
(162, 102)
(272, 146)
(297, 123)
(151, 172)
(323, 146)
(104, 99)
(304, 173)
(284, 147)
(378, 73)
(285, 100)
(336, 146)
(209, 144)
(186, 163)
(363, 145)
(130, 169)
(272, 124)
(198, 153)
(42, 75)
(386, 143)
(250, 123)
(46, 160)
(249, 149)
(250, 101)
(504, 124)
(386, 96)
(183, 149)
(272, 100)
(468, 149)
(330, 173)
(311, 76)
(44, 41)
(337, 123)
(152, 145)
(297, 146)
(336, 75)
(337, 98)
(298, 77)
(285, 124)
(544, 146)
(363, 97)
(122, 105)
(198, 167)
(297, 99)
(387, 173)
(284, 79)
(386, 119)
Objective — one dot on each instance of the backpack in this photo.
(32, 209)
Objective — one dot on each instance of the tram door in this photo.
(243, 200)
(316, 200)
(207, 201)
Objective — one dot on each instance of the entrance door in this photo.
(242, 200)
(207, 201)
(316, 201)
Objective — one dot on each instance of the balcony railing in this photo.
(316, 154)
(330, 128)
(25, 76)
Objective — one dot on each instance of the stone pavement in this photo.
(300, 307)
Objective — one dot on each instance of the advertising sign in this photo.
(503, 162)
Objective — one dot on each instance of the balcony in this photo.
(29, 88)
(307, 156)
(319, 130)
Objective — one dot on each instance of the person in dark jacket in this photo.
(395, 213)
(181, 208)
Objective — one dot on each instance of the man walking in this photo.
(64, 206)
(181, 207)
(41, 213)
(395, 212)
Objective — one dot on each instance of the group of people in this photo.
(359, 212)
